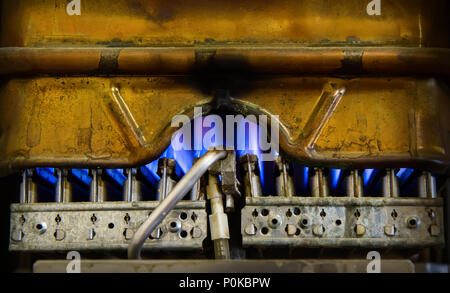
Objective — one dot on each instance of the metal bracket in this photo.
(103, 226)
(342, 222)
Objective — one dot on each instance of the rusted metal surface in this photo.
(261, 60)
(87, 226)
(89, 121)
(342, 222)
(375, 122)
(350, 90)
(29, 23)
(117, 122)
(97, 118)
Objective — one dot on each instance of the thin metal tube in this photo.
(97, 187)
(177, 193)
(63, 192)
(28, 188)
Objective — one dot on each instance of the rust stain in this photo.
(202, 22)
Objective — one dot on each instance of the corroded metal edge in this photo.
(101, 206)
(333, 222)
(343, 201)
(343, 242)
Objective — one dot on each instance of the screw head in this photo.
(17, 235)
(318, 230)
(435, 230)
(250, 229)
(59, 234)
(128, 233)
(389, 230)
(291, 229)
(360, 230)
(196, 232)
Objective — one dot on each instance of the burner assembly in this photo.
(191, 137)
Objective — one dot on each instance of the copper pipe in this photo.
(265, 60)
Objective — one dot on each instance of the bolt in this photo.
(17, 235)
(128, 233)
(196, 232)
(360, 230)
(59, 234)
(318, 230)
(250, 229)
(435, 230)
(291, 229)
(389, 230)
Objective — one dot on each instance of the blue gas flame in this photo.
(116, 175)
(46, 174)
(403, 174)
(335, 175)
(185, 158)
(367, 176)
